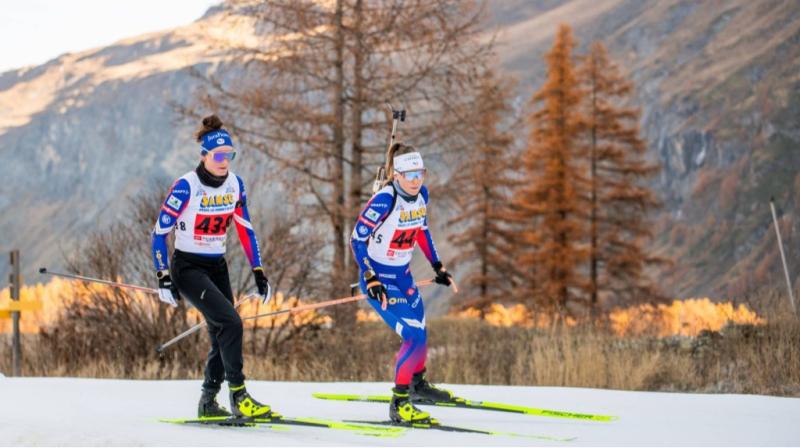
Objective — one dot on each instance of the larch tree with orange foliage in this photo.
(483, 183)
(549, 207)
(619, 200)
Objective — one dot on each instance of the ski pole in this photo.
(783, 257)
(101, 281)
(353, 286)
(196, 327)
(160, 348)
(312, 306)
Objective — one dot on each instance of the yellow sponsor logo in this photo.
(413, 215)
(216, 200)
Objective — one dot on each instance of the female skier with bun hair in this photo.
(200, 207)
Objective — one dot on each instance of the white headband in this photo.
(408, 162)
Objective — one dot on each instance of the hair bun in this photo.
(211, 123)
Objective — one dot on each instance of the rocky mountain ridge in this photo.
(717, 83)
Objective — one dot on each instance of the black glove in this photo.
(262, 284)
(375, 289)
(442, 276)
(167, 290)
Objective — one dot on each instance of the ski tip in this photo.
(325, 396)
(171, 420)
(43, 270)
(220, 419)
(349, 397)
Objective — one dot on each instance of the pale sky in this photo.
(35, 31)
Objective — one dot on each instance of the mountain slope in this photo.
(86, 130)
(719, 89)
(718, 84)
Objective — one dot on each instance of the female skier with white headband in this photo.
(383, 240)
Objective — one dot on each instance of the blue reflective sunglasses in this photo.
(414, 175)
(220, 157)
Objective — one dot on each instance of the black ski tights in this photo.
(204, 281)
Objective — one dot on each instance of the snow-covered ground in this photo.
(67, 411)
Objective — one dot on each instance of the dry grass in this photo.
(739, 359)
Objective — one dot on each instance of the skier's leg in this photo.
(417, 312)
(407, 360)
(241, 401)
(214, 373)
(215, 368)
(217, 308)
(214, 376)
(401, 320)
(420, 366)
(421, 389)
(411, 353)
(194, 282)
(404, 316)
(196, 285)
(185, 275)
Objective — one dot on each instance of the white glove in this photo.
(167, 291)
(165, 295)
(265, 298)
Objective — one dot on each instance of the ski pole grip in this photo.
(453, 285)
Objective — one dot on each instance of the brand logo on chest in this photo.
(217, 200)
(412, 215)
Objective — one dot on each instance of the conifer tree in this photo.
(483, 181)
(549, 208)
(619, 200)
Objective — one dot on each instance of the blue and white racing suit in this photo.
(390, 226)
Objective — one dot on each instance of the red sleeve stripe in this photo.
(170, 211)
(422, 241)
(366, 222)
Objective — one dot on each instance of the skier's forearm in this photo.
(247, 236)
(244, 228)
(425, 242)
(160, 259)
(359, 248)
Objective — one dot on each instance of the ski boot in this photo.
(402, 411)
(243, 405)
(208, 406)
(424, 392)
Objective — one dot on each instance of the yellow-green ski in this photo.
(283, 422)
(438, 426)
(470, 404)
